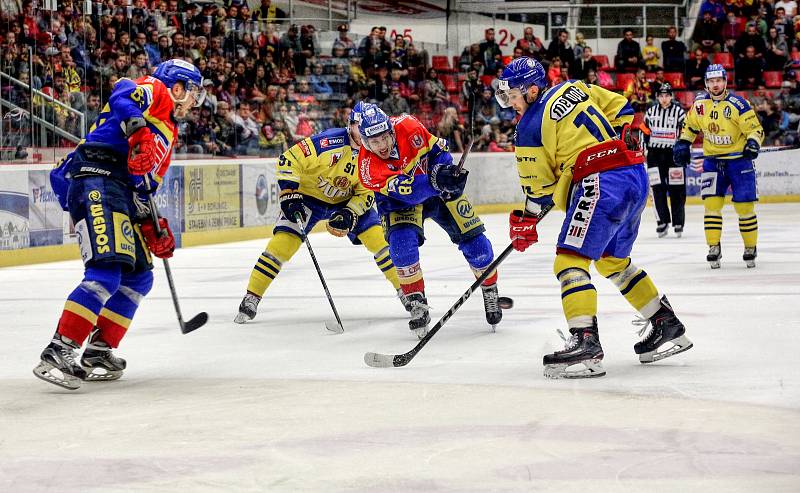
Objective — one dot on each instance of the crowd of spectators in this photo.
(270, 84)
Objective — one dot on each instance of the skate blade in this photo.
(714, 264)
(242, 318)
(680, 345)
(66, 381)
(101, 374)
(592, 368)
(334, 327)
(750, 263)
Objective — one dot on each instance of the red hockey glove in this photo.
(161, 246)
(522, 230)
(142, 151)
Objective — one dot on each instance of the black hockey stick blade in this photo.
(194, 323)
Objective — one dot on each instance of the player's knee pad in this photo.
(136, 286)
(102, 281)
(373, 239)
(284, 245)
(404, 246)
(477, 251)
(744, 209)
(713, 204)
(571, 270)
(611, 266)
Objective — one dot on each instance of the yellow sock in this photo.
(578, 294)
(280, 249)
(713, 219)
(633, 283)
(373, 239)
(748, 223)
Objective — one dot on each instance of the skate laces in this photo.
(570, 343)
(67, 352)
(643, 324)
(491, 300)
(251, 301)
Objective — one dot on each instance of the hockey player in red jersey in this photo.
(105, 184)
(414, 178)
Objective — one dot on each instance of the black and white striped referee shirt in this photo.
(664, 124)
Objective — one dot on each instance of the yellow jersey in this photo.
(726, 125)
(325, 167)
(564, 121)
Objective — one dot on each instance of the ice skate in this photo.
(60, 356)
(491, 304)
(420, 316)
(749, 256)
(678, 231)
(99, 362)
(404, 300)
(247, 308)
(582, 356)
(664, 328)
(714, 256)
(662, 230)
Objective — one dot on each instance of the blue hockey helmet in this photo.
(716, 70)
(177, 70)
(374, 123)
(520, 74)
(355, 113)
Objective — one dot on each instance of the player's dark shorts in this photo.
(604, 213)
(100, 208)
(317, 211)
(719, 174)
(457, 217)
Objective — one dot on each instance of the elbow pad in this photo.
(132, 124)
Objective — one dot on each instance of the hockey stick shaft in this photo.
(734, 154)
(319, 270)
(464, 154)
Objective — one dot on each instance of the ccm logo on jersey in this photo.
(564, 104)
(603, 153)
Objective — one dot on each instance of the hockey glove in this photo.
(631, 137)
(162, 246)
(341, 222)
(522, 230)
(447, 179)
(142, 151)
(292, 205)
(682, 152)
(751, 149)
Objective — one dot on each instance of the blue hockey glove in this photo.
(751, 149)
(682, 152)
(446, 179)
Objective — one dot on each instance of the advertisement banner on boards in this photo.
(14, 211)
(211, 197)
(169, 200)
(260, 190)
(45, 214)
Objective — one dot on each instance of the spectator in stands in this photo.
(731, 31)
(369, 41)
(713, 7)
(750, 38)
(777, 51)
(92, 109)
(433, 91)
(560, 48)
(750, 70)
(580, 44)
(531, 45)
(674, 52)
(656, 84)
(395, 104)
(581, 66)
(139, 67)
(591, 77)
(490, 51)
(696, 71)
(554, 72)
(398, 76)
(450, 129)
(629, 53)
(651, 54)
(789, 6)
(708, 34)
(470, 56)
(486, 108)
(378, 84)
(247, 129)
(783, 24)
(318, 82)
(416, 60)
(267, 13)
(638, 91)
(344, 42)
(501, 144)
(471, 90)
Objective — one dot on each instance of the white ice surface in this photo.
(281, 404)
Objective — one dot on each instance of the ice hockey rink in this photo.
(281, 405)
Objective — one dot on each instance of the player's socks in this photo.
(712, 221)
(748, 228)
(578, 294)
(633, 283)
(60, 355)
(264, 272)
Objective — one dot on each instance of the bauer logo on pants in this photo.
(584, 210)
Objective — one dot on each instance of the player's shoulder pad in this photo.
(701, 96)
(739, 102)
(330, 139)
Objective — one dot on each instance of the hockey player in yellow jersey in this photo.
(568, 155)
(732, 137)
(318, 178)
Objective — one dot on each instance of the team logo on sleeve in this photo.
(335, 158)
(304, 147)
(727, 112)
(700, 108)
(416, 141)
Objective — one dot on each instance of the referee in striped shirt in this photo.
(662, 127)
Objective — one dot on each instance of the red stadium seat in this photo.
(449, 82)
(624, 80)
(441, 63)
(724, 59)
(602, 62)
(486, 80)
(507, 59)
(675, 79)
(773, 78)
(686, 98)
(456, 63)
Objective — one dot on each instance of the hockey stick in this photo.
(339, 328)
(201, 318)
(464, 154)
(378, 360)
(700, 155)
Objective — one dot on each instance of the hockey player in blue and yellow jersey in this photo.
(318, 178)
(574, 150)
(104, 184)
(732, 137)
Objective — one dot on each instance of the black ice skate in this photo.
(98, 361)
(662, 229)
(404, 300)
(665, 328)
(582, 349)
(60, 356)
(749, 256)
(247, 308)
(491, 304)
(714, 256)
(420, 316)
(678, 231)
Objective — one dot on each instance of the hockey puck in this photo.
(505, 302)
